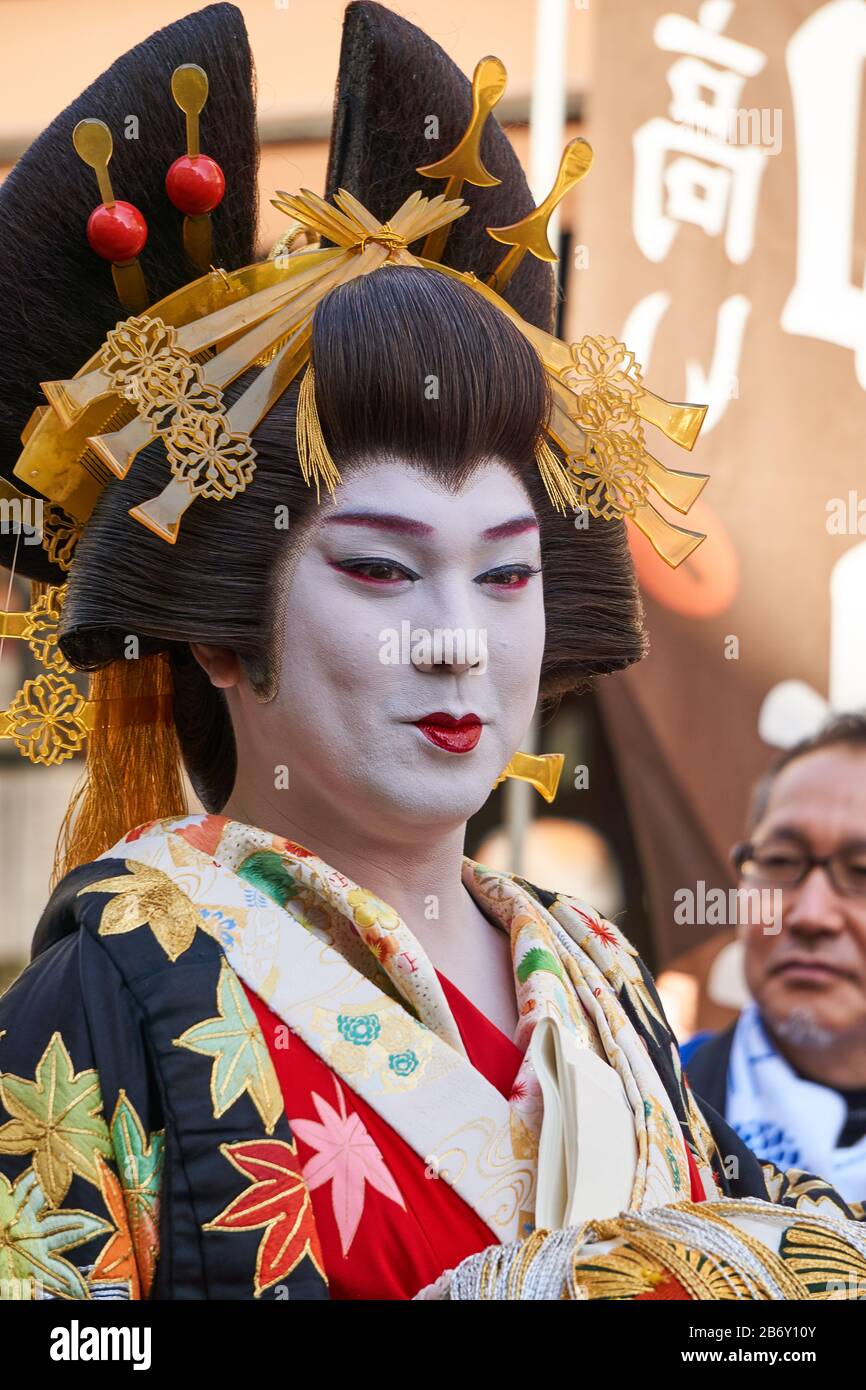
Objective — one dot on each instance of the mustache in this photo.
(814, 958)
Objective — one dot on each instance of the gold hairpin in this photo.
(116, 230)
(530, 233)
(464, 163)
(195, 183)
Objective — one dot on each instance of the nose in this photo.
(814, 907)
(447, 638)
(451, 651)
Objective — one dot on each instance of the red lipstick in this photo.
(454, 735)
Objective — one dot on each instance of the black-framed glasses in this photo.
(787, 865)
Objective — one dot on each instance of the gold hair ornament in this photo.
(161, 373)
(189, 87)
(94, 146)
(541, 770)
(49, 719)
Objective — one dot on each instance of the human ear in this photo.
(220, 664)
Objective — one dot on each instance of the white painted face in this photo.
(405, 601)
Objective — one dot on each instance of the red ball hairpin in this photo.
(116, 230)
(195, 183)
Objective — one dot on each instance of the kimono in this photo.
(229, 1072)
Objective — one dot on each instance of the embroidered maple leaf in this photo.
(204, 833)
(277, 1199)
(147, 897)
(116, 1262)
(56, 1117)
(33, 1237)
(139, 1160)
(240, 1056)
(348, 1158)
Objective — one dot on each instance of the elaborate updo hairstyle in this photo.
(376, 342)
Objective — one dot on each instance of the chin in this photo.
(437, 801)
(807, 1017)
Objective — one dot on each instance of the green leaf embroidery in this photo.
(537, 958)
(139, 1158)
(267, 871)
(57, 1118)
(32, 1236)
(241, 1060)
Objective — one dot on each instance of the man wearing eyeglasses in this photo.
(790, 1075)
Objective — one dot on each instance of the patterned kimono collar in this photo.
(344, 972)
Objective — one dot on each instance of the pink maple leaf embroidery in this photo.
(348, 1157)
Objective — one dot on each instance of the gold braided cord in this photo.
(722, 1262)
(785, 1271)
(676, 1257)
(782, 1272)
(523, 1264)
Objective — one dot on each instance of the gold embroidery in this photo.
(58, 1118)
(148, 898)
(821, 1258)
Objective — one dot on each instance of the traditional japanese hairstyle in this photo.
(225, 395)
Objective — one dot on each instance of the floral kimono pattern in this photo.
(145, 1146)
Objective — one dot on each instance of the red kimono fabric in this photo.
(387, 1225)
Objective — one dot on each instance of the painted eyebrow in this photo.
(515, 527)
(391, 521)
(384, 521)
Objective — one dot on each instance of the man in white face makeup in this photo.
(389, 759)
(309, 1049)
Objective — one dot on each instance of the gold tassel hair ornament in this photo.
(556, 479)
(317, 466)
(132, 774)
